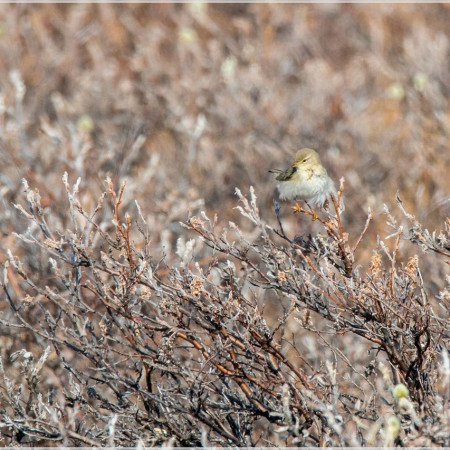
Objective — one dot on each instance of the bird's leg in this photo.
(313, 213)
(277, 213)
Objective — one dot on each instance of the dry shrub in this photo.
(140, 352)
(159, 312)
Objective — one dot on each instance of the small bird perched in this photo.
(306, 179)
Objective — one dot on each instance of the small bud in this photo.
(85, 123)
(392, 430)
(396, 91)
(420, 81)
(400, 391)
(187, 35)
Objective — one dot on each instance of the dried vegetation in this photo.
(181, 308)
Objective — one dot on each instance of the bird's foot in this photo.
(311, 212)
(297, 208)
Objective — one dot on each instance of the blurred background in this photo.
(188, 101)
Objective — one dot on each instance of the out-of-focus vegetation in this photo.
(134, 314)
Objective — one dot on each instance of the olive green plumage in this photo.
(307, 179)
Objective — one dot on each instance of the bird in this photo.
(307, 179)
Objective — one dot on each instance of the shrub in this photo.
(136, 351)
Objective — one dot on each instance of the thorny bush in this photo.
(136, 352)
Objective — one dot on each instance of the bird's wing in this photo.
(284, 175)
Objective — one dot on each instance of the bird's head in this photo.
(307, 158)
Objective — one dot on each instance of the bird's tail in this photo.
(275, 171)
